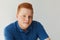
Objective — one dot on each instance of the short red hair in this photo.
(25, 5)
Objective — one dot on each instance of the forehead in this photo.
(25, 11)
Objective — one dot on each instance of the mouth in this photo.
(26, 23)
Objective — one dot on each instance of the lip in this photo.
(25, 22)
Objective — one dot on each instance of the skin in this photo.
(24, 17)
(48, 38)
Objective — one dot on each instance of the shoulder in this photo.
(10, 27)
(38, 26)
(36, 23)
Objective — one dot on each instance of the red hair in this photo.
(25, 5)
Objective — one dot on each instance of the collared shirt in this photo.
(34, 31)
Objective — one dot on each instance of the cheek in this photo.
(30, 20)
(19, 18)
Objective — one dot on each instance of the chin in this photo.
(25, 26)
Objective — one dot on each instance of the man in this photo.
(25, 28)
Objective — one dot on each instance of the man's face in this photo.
(24, 17)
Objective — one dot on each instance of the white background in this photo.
(45, 11)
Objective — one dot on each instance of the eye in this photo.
(24, 16)
(30, 17)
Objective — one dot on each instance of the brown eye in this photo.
(30, 17)
(24, 16)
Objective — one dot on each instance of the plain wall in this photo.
(45, 11)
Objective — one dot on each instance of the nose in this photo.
(26, 19)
